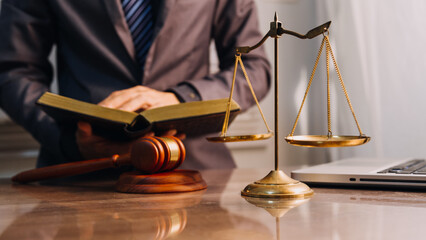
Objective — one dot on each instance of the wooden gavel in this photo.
(149, 155)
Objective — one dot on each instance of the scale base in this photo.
(277, 185)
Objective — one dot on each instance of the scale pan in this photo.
(240, 138)
(326, 141)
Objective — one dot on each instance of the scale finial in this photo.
(275, 17)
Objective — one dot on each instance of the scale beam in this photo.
(277, 30)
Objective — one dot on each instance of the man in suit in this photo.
(99, 62)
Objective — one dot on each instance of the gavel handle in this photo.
(70, 169)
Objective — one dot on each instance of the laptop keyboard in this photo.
(417, 166)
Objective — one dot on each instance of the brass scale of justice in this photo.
(277, 184)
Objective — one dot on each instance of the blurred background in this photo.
(380, 50)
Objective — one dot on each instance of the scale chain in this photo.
(228, 106)
(327, 57)
(329, 52)
(227, 114)
(252, 92)
(309, 86)
(342, 84)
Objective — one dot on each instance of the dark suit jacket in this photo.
(96, 56)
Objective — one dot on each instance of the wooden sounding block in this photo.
(166, 182)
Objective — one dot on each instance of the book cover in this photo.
(192, 118)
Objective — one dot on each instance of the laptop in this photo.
(364, 172)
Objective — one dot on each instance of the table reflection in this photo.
(149, 217)
(93, 210)
(276, 207)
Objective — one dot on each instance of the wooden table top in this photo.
(93, 210)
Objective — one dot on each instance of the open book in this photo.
(191, 118)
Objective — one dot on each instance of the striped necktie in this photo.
(139, 18)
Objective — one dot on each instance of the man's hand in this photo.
(139, 98)
(92, 146)
(135, 99)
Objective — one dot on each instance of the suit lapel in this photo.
(164, 7)
(116, 14)
(115, 11)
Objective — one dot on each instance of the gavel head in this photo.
(157, 154)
